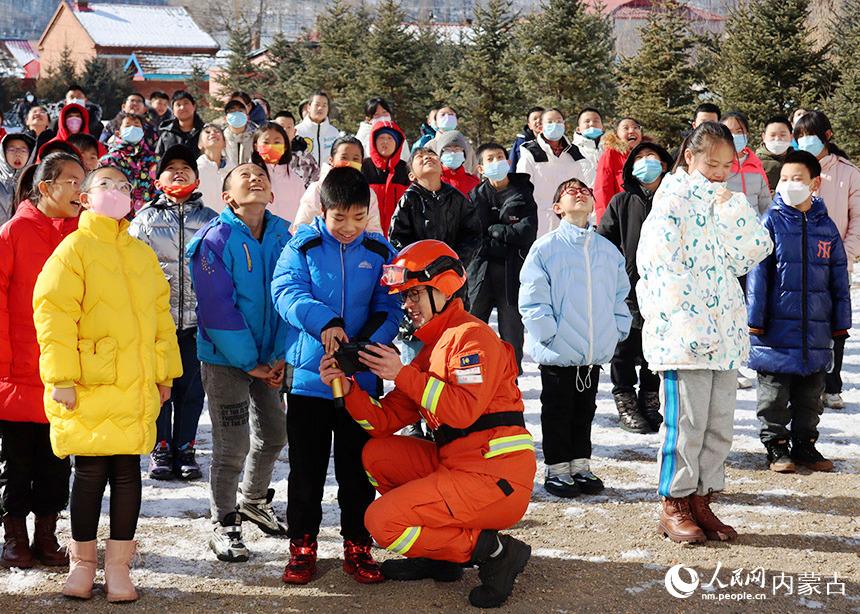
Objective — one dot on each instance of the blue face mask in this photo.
(131, 134)
(497, 170)
(740, 142)
(811, 144)
(592, 133)
(446, 122)
(553, 132)
(647, 170)
(452, 159)
(237, 119)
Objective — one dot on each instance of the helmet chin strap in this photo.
(433, 302)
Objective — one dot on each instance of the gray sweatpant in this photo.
(249, 428)
(699, 407)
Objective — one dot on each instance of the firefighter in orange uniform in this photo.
(443, 502)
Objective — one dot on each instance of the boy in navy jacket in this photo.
(798, 302)
(326, 287)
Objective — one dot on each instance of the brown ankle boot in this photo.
(677, 523)
(16, 549)
(713, 527)
(83, 559)
(118, 557)
(45, 546)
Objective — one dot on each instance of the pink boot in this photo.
(118, 556)
(82, 569)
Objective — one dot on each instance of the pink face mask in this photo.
(74, 124)
(110, 203)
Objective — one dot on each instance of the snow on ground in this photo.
(597, 553)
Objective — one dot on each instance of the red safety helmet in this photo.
(425, 263)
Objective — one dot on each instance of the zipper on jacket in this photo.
(589, 309)
(181, 310)
(804, 319)
(343, 281)
(319, 146)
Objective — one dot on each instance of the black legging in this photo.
(92, 473)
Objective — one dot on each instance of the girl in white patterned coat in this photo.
(698, 239)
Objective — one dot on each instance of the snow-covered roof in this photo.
(143, 27)
(161, 64)
(23, 51)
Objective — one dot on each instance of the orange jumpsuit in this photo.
(436, 500)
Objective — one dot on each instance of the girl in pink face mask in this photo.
(108, 193)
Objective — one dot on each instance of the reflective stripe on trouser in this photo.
(512, 443)
(696, 435)
(428, 510)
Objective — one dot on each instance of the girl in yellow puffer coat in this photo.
(108, 358)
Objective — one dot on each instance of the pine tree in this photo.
(655, 85)
(565, 55)
(54, 83)
(283, 73)
(107, 84)
(484, 86)
(766, 62)
(197, 85)
(338, 63)
(393, 59)
(842, 107)
(239, 73)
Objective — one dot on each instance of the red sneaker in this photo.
(359, 563)
(303, 561)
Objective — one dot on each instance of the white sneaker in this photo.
(261, 513)
(744, 383)
(226, 540)
(833, 401)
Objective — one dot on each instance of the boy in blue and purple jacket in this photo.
(240, 342)
(798, 301)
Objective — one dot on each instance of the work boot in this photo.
(677, 522)
(649, 405)
(358, 562)
(713, 528)
(161, 462)
(303, 561)
(421, 569)
(83, 559)
(45, 546)
(497, 570)
(16, 548)
(118, 557)
(779, 456)
(629, 417)
(803, 453)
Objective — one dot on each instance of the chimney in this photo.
(81, 5)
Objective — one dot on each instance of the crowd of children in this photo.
(229, 263)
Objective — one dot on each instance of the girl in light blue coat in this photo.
(573, 287)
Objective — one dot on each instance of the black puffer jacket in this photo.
(445, 215)
(509, 223)
(169, 134)
(623, 219)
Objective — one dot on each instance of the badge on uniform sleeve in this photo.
(470, 370)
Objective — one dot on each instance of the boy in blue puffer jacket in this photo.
(327, 288)
(240, 343)
(573, 290)
(798, 302)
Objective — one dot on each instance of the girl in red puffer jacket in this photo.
(32, 479)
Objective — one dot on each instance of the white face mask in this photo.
(793, 193)
(777, 147)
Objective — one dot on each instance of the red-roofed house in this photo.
(155, 42)
(630, 15)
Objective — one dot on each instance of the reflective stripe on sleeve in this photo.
(432, 392)
(367, 426)
(372, 480)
